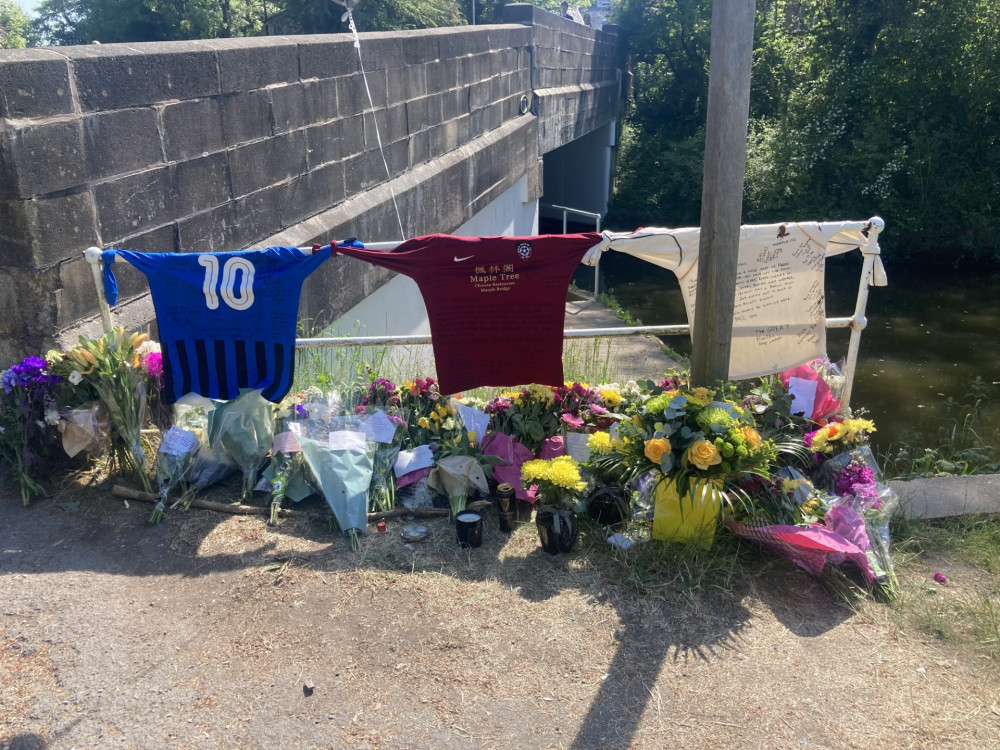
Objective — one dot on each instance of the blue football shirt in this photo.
(227, 320)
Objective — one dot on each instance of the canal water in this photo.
(930, 333)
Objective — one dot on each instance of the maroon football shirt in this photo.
(496, 305)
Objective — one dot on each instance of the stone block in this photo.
(61, 226)
(422, 48)
(77, 296)
(454, 103)
(363, 172)
(121, 141)
(523, 13)
(391, 123)
(43, 159)
(15, 237)
(442, 75)
(302, 104)
(312, 193)
(460, 41)
(397, 156)
(192, 128)
(419, 147)
(267, 162)
(324, 143)
(406, 83)
(352, 96)
(325, 56)
(481, 94)
(232, 226)
(134, 203)
(116, 76)
(201, 183)
(384, 49)
(255, 62)
(423, 113)
(245, 116)
(35, 83)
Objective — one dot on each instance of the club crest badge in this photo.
(524, 250)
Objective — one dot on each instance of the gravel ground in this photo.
(216, 631)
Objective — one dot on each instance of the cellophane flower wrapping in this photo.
(244, 427)
(85, 429)
(387, 431)
(174, 460)
(342, 476)
(211, 464)
(112, 366)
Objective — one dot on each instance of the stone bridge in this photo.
(225, 144)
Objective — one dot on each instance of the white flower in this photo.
(51, 416)
(147, 347)
(76, 377)
(40, 423)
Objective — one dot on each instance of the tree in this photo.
(14, 25)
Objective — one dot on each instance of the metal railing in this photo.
(566, 211)
(857, 322)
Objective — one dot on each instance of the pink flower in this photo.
(940, 578)
(571, 420)
(153, 362)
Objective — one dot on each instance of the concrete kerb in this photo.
(945, 497)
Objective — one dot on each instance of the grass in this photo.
(964, 611)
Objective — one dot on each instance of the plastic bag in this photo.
(85, 428)
(342, 475)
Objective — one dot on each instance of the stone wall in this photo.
(222, 144)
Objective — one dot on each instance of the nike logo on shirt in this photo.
(459, 260)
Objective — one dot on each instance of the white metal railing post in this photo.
(871, 251)
(93, 257)
(597, 220)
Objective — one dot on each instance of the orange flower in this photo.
(655, 449)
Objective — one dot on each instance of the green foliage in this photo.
(86, 21)
(14, 25)
(856, 108)
(959, 452)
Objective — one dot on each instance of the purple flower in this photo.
(153, 362)
(940, 578)
(301, 412)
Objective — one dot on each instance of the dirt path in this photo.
(214, 631)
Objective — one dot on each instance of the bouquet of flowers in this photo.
(25, 404)
(244, 427)
(558, 486)
(174, 460)
(386, 431)
(342, 471)
(433, 418)
(112, 366)
(531, 415)
(688, 435)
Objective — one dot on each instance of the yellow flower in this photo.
(541, 393)
(752, 437)
(472, 438)
(599, 443)
(700, 393)
(854, 427)
(424, 422)
(612, 398)
(532, 471)
(790, 485)
(655, 449)
(704, 454)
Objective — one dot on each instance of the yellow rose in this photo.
(703, 454)
(699, 393)
(655, 449)
(752, 437)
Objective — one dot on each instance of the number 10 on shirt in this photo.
(238, 297)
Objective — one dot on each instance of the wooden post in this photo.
(722, 188)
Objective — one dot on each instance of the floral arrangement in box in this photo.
(27, 409)
(433, 419)
(687, 434)
(531, 415)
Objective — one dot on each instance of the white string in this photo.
(357, 46)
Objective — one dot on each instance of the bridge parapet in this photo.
(221, 144)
